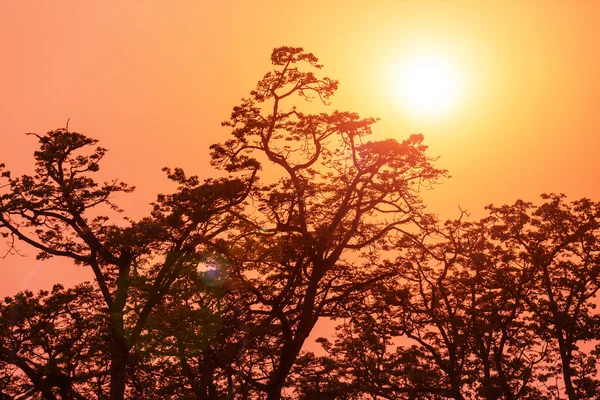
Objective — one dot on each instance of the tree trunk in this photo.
(286, 363)
(274, 392)
(289, 354)
(118, 371)
(566, 369)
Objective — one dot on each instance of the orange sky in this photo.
(153, 80)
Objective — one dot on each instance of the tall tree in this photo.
(58, 211)
(559, 242)
(500, 308)
(314, 232)
(216, 292)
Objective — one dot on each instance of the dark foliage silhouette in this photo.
(216, 293)
(52, 344)
(134, 266)
(503, 308)
(311, 240)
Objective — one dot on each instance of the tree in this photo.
(57, 212)
(216, 292)
(51, 344)
(314, 236)
(559, 242)
(307, 241)
(492, 309)
(337, 196)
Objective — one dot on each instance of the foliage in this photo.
(52, 344)
(502, 308)
(216, 293)
(134, 264)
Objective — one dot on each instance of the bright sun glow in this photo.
(428, 85)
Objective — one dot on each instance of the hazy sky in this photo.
(153, 80)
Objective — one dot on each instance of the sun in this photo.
(428, 84)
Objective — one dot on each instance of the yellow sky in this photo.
(153, 80)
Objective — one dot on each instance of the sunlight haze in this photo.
(427, 84)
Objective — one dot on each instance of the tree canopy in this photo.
(216, 293)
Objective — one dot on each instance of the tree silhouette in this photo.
(312, 238)
(216, 293)
(559, 242)
(134, 266)
(52, 344)
(496, 309)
